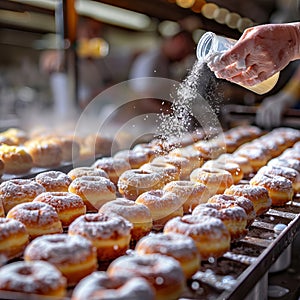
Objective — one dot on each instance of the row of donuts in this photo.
(144, 262)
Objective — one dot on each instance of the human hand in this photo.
(270, 112)
(261, 52)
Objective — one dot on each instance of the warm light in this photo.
(232, 19)
(220, 15)
(185, 3)
(208, 10)
(197, 7)
(244, 23)
(168, 28)
(94, 48)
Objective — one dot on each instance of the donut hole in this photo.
(25, 271)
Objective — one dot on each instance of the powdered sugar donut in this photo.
(74, 256)
(39, 218)
(94, 191)
(36, 277)
(109, 234)
(113, 288)
(86, 171)
(54, 181)
(162, 272)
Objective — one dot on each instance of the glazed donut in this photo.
(169, 172)
(109, 234)
(137, 214)
(191, 193)
(13, 238)
(34, 277)
(54, 181)
(216, 180)
(86, 171)
(39, 218)
(134, 157)
(74, 256)
(178, 246)
(16, 159)
(162, 272)
(94, 191)
(135, 182)
(241, 201)
(211, 236)
(233, 216)
(257, 157)
(16, 191)
(44, 153)
(279, 188)
(258, 195)
(285, 162)
(182, 163)
(192, 154)
(99, 284)
(288, 173)
(233, 168)
(163, 206)
(67, 205)
(242, 161)
(112, 166)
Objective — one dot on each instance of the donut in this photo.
(86, 171)
(279, 188)
(17, 135)
(189, 152)
(100, 145)
(114, 167)
(216, 180)
(183, 164)
(285, 162)
(137, 214)
(70, 148)
(163, 272)
(233, 216)
(101, 285)
(17, 191)
(258, 195)
(44, 153)
(288, 173)
(74, 256)
(109, 234)
(268, 144)
(242, 161)
(257, 157)
(191, 193)
(149, 149)
(67, 205)
(4, 140)
(169, 172)
(163, 206)
(94, 191)
(134, 157)
(16, 159)
(178, 246)
(32, 277)
(290, 135)
(39, 218)
(135, 182)
(241, 201)
(54, 181)
(13, 238)
(233, 168)
(211, 236)
(291, 153)
(209, 149)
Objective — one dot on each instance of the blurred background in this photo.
(57, 55)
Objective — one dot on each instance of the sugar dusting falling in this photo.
(181, 120)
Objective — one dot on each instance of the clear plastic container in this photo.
(212, 45)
